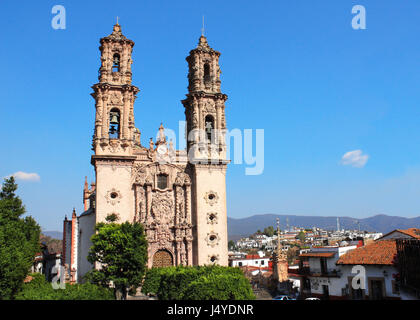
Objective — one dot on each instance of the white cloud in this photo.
(26, 176)
(355, 159)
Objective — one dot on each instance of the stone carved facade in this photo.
(180, 201)
(166, 214)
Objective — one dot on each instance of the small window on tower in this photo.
(206, 72)
(209, 127)
(162, 181)
(116, 63)
(114, 124)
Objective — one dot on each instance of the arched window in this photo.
(116, 63)
(206, 72)
(114, 124)
(209, 121)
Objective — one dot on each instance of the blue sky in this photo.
(296, 69)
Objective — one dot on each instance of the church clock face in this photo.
(162, 150)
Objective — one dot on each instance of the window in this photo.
(307, 284)
(325, 292)
(116, 63)
(395, 287)
(357, 294)
(209, 121)
(262, 262)
(162, 181)
(376, 289)
(114, 124)
(206, 72)
(324, 269)
(240, 264)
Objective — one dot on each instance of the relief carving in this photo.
(113, 196)
(212, 218)
(212, 239)
(211, 197)
(162, 206)
(115, 99)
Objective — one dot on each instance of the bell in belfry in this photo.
(114, 118)
(116, 59)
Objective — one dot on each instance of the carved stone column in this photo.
(178, 251)
(140, 203)
(99, 115)
(105, 115)
(126, 101)
(148, 201)
(177, 205)
(218, 125)
(188, 202)
(189, 252)
(200, 114)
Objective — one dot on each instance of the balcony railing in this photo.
(316, 273)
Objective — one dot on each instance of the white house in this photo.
(374, 265)
(320, 276)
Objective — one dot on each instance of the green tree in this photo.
(292, 254)
(301, 236)
(151, 281)
(121, 251)
(198, 283)
(39, 289)
(231, 245)
(19, 241)
(269, 231)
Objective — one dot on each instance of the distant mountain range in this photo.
(241, 227)
(53, 234)
(379, 223)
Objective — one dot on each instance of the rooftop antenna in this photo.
(338, 224)
(287, 223)
(202, 29)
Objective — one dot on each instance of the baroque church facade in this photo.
(178, 195)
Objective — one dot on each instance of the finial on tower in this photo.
(202, 29)
(117, 20)
(162, 137)
(86, 184)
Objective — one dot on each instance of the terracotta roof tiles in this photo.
(414, 232)
(376, 253)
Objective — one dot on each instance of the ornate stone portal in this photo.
(165, 212)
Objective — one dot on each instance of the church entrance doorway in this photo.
(162, 258)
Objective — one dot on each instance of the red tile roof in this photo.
(318, 254)
(376, 253)
(414, 232)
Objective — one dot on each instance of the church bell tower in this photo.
(206, 147)
(114, 95)
(115, 135)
